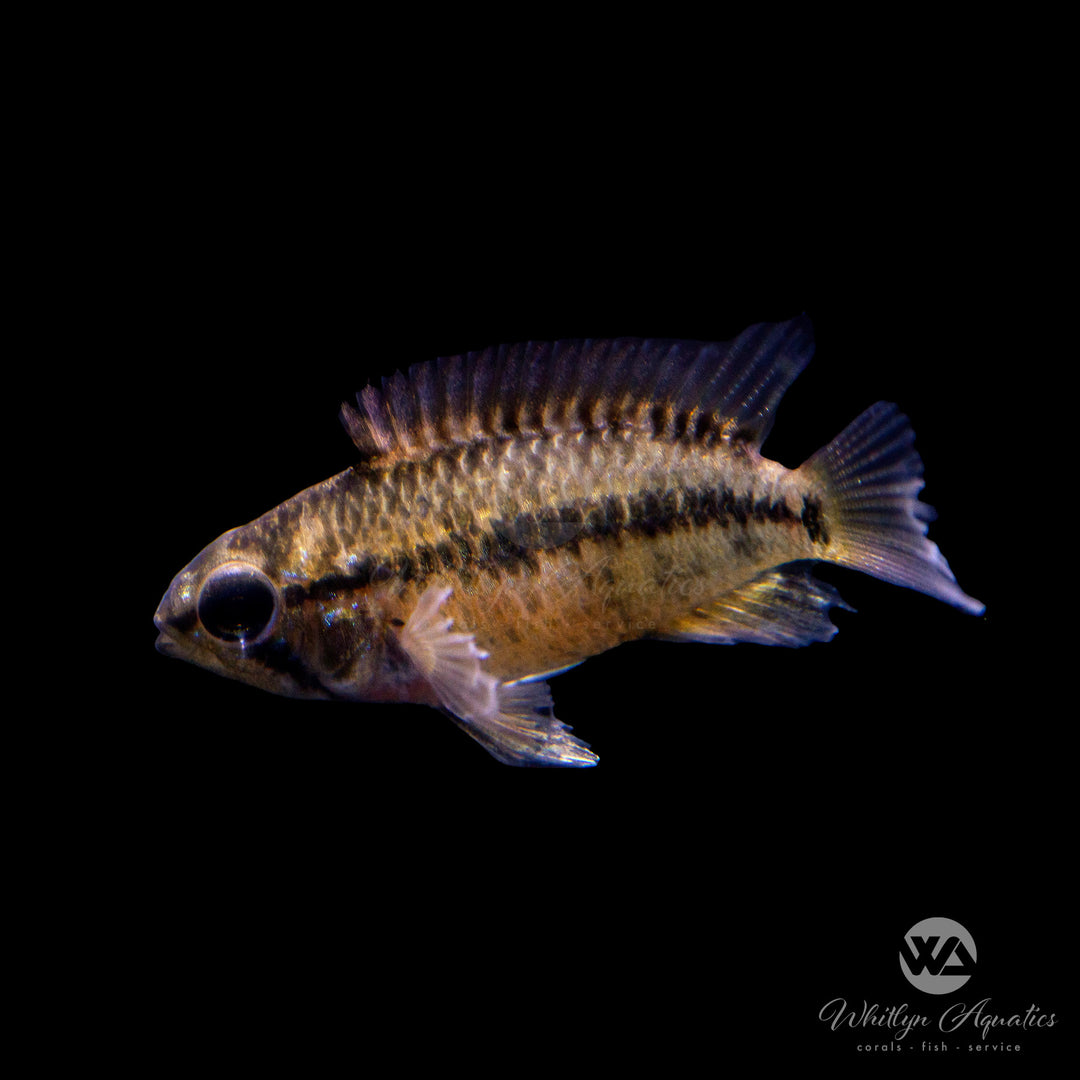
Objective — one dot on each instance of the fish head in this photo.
(235, 610)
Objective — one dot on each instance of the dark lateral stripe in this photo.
(511, 546)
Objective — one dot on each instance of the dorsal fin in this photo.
(674, 390)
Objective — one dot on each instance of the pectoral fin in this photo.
(514, 721)
(787, 606)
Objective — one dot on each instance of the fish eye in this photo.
(237, 603)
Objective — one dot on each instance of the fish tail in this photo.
(870, 517)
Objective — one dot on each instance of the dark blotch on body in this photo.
(462, 545)
(425, 560)
(277, 656)
(813, 521)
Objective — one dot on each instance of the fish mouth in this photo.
(164, 644)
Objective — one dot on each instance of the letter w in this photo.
(924, 959)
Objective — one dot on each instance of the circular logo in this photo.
(937, 956)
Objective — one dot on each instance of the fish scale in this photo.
(504, 576)
(518, 510)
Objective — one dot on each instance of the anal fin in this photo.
(786, 606)
(513, 721)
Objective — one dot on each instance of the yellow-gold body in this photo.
(519, 510)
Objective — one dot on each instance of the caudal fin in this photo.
(872, 477)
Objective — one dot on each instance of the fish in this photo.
(516, 510)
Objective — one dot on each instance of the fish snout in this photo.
(164, 643)
(175, 616)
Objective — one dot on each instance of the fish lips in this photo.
(175, 617)
(164, 644)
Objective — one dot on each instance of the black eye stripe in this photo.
(237, 603)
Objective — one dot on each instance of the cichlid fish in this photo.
(519, 509)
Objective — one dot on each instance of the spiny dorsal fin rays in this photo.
(669, 389)
(403, 411)
(370, 428)
(425, 381)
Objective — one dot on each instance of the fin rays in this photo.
(671, 389)
(872, 476)
(786, 606)
(514, 721)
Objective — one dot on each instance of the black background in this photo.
(764, 824)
